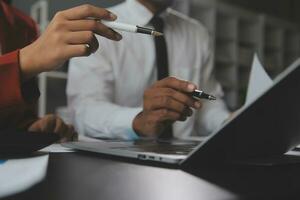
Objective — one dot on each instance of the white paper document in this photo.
(57, 148)
(259, 81)
(17, 175)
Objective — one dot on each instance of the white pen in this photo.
(131, 28)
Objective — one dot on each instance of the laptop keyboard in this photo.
(161, 148)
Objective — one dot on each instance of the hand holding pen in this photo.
(165, 102)
(69, 34)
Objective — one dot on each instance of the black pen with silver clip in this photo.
(198, 94)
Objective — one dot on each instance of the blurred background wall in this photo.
(286, 9)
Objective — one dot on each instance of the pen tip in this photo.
(212, 98)
(157, 34)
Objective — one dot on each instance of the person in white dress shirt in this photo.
(106, 91)
(182, 6)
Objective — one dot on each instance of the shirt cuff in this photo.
(125, 119)
(29, 89)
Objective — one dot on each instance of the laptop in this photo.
(270, 126)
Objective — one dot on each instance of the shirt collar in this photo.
(140, 14)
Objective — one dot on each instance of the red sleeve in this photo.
(17, 99)
(10, 87)
(12, 92)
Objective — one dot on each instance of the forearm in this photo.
(105, 119)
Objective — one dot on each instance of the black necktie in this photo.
(161, 62)
(161, 49)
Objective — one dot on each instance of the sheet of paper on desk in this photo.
(259, 81)
(58, 148)
(17, 175)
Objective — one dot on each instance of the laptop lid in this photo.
(269, 126)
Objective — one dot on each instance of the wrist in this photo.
(136, 125)
(28, 64)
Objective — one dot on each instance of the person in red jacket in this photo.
(23, 55)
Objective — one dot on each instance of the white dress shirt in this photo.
(105, 91)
